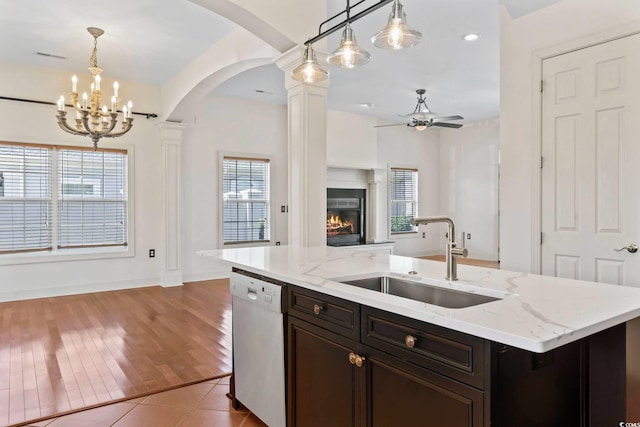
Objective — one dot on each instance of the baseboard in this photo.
(77, 289)
(211, 275)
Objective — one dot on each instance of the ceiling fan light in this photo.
(396, 34)
(348, 54)
(421, 127)
(309, 71)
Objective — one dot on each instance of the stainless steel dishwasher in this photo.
(258, 347)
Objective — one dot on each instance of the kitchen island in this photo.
(542, 346)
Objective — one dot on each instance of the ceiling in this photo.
(150, 41)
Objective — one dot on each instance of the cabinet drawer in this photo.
(451, 353)
(331, 313)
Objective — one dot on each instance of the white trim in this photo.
(220, 175)
(84, 254)
(536, 147)
(213, 275)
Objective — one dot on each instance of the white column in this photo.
(307, 121)
(171, 139)
(377, 209)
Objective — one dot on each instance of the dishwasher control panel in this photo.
(264, 294)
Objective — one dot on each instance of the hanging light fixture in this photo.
(396, 34)
(309, 71)
(349, 54)
(92, 118)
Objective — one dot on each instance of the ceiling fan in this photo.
(422, 117)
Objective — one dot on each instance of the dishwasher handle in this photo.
(252, 294)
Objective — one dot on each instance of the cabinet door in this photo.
(402, 394)
(325, 388)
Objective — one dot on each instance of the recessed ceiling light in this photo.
(471, 37)
(263, 91)
(366, 105)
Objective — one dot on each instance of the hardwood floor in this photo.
(467, 261)
(61, 354)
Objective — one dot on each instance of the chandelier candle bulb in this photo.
(85, 97)
(98, 80)
(74, 84)
(130, 105)
(115, 89)
(113, 104)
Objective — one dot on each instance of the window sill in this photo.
(250, 244)
(62, 255)
(404, 235)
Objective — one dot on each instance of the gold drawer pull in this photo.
(356, 359)
(352, 358)
(410, 341)
(317, 308)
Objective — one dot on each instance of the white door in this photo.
(591, 163)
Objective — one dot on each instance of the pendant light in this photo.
(348, 54)
(396, 34)
(309, 71)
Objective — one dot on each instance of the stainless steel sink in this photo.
(435, 295)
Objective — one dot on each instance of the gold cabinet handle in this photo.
(352, 358)
(410, 341)
(317, 308)
(359, 361)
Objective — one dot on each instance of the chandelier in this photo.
(94, 119)
(395, 35)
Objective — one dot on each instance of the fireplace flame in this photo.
(336, 225)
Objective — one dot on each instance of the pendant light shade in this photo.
(309, 71)
(348, 54)
(396, 34)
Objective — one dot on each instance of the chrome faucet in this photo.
(452, 252)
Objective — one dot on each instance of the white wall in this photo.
(24, 122)
(351, 141)
(469, 185)
(403, 146)
(520, 40)
(230, 126)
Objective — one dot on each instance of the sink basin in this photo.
(435, 295)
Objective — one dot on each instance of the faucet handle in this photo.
(457, 252)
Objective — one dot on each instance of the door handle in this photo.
(633, 248)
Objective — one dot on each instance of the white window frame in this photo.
(414, 230)
(80, 254)
(249, 156)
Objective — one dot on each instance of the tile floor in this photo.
(199, 405)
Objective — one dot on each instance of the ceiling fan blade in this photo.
(447, 118)
(394, 124)
(447, 125)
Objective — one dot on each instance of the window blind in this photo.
(403, 191)
(246, 200)
(92, 198)
(25, 198)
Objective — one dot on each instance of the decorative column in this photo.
(171, 139)
(377, 209)
(307, 153)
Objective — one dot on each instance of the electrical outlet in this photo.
(282, 209)
(277, 243)
(424, 234)
(468, 236)
(152, 253)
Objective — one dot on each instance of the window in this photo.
(403, 194)
(92, 198)
(90, 208)
(25, 198)
(246, 200)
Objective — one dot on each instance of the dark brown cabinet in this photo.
(353, 365)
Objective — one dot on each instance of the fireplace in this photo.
(345, 217)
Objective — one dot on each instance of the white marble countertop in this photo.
(536, 313)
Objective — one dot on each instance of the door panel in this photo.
(590, 183)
